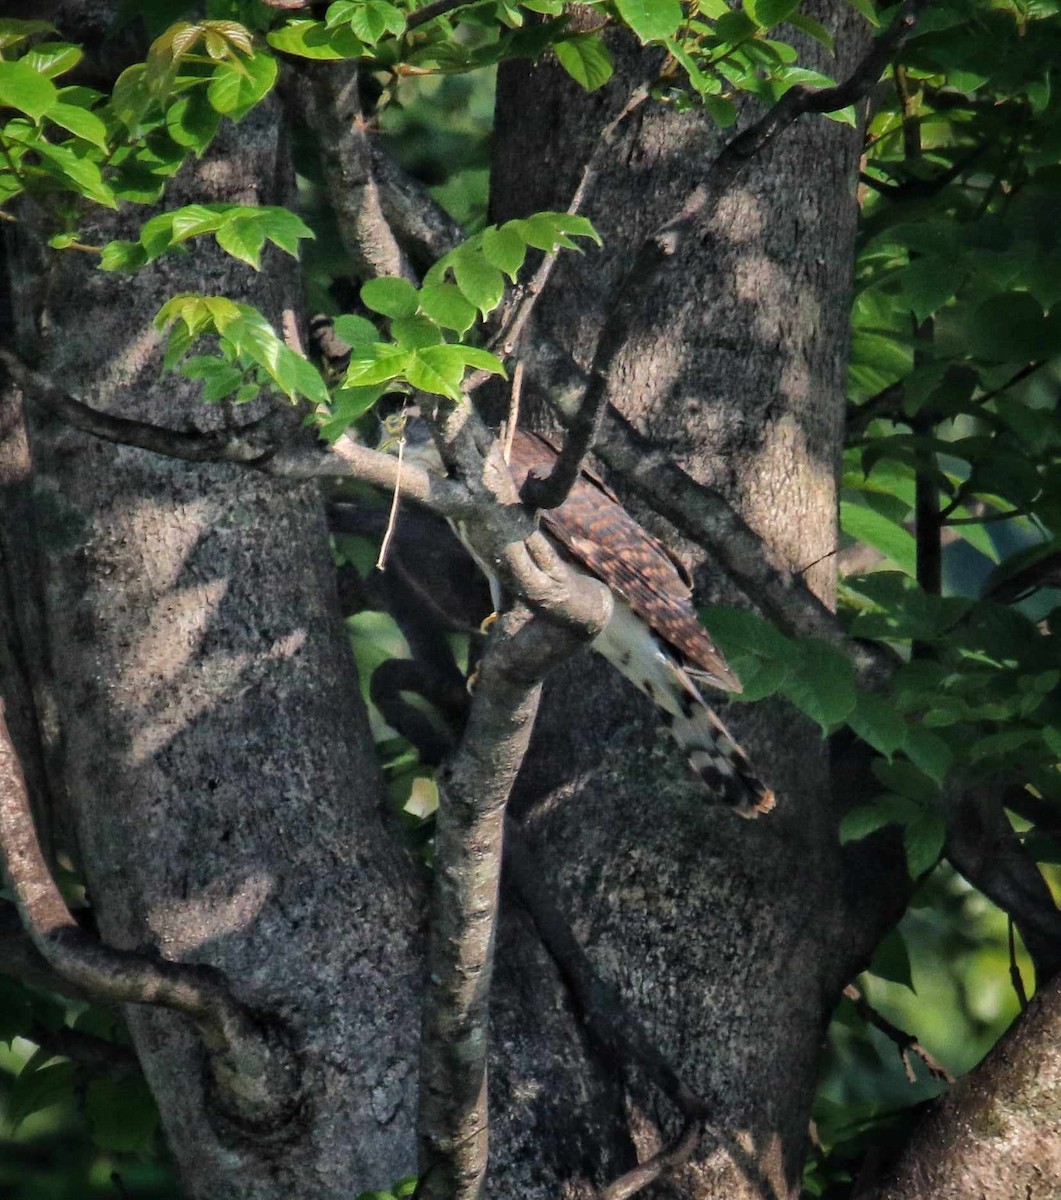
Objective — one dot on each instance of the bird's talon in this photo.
(488, 621)
(472, 680)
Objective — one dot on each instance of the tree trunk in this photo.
(215, 752)
(997, 1135)
(728, 940)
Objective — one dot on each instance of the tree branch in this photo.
(254, 1069)
(325, 96)
(982, 846)
(995, 1132)
(905, 1042)
(252, 447)
(474, 787)
(525, 297)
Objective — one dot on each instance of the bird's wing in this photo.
(602, 537)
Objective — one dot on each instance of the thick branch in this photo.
(474, 788)
(254, 1070)
(982, 846)
(325, 96)
(801, 99)
(422, 226)
(254, 447)
(995, 1135)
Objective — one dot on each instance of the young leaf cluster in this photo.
(63, 144)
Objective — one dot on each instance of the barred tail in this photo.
(719, 760)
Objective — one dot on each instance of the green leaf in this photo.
(80, 174)
(923, 840)
(481, 284)
(415, 333)
(370, 19)
(878, 723)
(481, 360)
(243, 239)
(723, 112)
(358, 332)
(391, 296)
(868, 818)
(384, 363)
(905, 779)
(929, 282)
(869, 526)
(312, 39)
(53, 58)
(1010, 327)
(505, 248)
(444, 303)
(651, 20)
(352, 403)
(16, 1010)
(122, 256)
(183, 223)
(224, 89)
(929, 752)
(36, 1088)
(121, 1113)
(767, 13)
(438, 370)
(221, 377)
(823, 686)
(22, 88)
(80, 122)
(868, 9)
(192, 122)
(283, 228)
(237, 87)
(740, 629)
(586, 59)
(891, 960)
(13, 31)
(735, 27)
(813, 29)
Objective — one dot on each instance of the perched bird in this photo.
(654, 637)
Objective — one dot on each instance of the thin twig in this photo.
(254, 1069)
(430, 11)
(525, 298)
(392, 518)
(905, 1042)
(1014, 967)
(509, 431)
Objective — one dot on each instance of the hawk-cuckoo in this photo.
(654, 636)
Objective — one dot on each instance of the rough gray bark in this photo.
(215, 752)
(997, 1135)
(737, 369)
